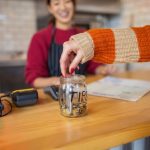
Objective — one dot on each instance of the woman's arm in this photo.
(36, 60)
(115, 45)
(36, 71)
(41, 82)
(107, 46)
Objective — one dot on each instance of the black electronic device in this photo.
(52, 91)
(25, 97)
(20, 98)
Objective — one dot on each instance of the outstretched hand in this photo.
(70, 58)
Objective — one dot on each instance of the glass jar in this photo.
(73, 96)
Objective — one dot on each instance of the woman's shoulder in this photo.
(43, 35)
(44, 32)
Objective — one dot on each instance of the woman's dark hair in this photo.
(52, 20)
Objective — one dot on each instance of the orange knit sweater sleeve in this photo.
(121, 45)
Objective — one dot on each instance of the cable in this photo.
(2, 106)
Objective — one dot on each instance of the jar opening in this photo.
(72, 79)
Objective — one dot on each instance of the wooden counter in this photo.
(109, 123)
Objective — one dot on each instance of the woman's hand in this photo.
(42, 82)
(79, 49)
(106, 69)
(71, 57)
(55, 80)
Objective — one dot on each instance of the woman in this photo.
(45, 49)
(107, 46)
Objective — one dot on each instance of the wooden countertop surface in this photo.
(109, 123)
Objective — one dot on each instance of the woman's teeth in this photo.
(64, 14)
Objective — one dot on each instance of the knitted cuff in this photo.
(86, 45)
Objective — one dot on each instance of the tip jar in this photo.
(73, 96)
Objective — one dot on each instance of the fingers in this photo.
(64, 60)
(54, 81)
(106, 69)
(75, 62)
(68, 58)
(64, 63)
(111, 69)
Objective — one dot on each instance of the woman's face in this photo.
(62, 10)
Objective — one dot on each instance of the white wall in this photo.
(17, 25)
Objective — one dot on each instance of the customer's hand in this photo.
(106, 69)
(71, 57)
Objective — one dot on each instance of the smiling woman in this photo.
(60, 16)
(43, 68)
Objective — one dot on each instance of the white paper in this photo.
(119, 88)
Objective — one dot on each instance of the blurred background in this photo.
(20, 19)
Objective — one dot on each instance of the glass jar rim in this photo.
(72, 79)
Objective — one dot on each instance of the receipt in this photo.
(119, 88)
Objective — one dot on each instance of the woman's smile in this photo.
(63, 11)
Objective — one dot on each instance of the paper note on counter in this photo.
(119, 88)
